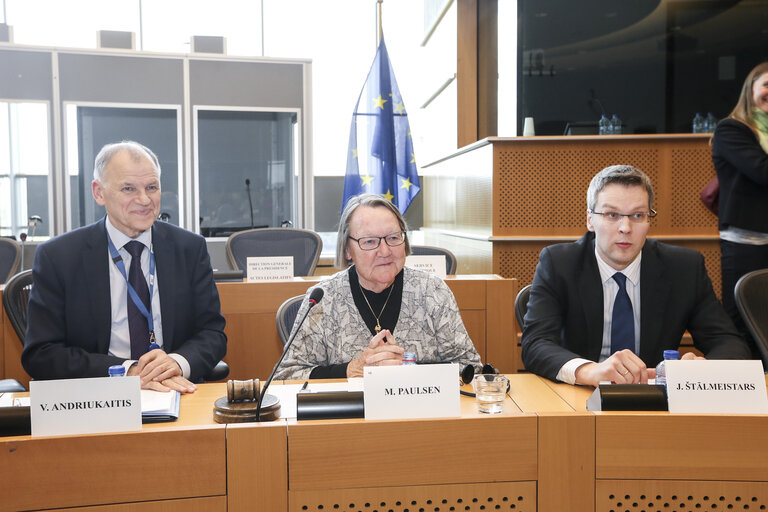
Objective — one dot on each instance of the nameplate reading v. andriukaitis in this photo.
(85, 406)
(413, 391)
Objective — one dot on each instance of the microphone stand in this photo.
(314, 298)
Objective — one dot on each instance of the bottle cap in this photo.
(671, 354)
(116, 370)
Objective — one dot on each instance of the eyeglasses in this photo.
(369, 243)
(635, 218)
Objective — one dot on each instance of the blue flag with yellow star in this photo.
(380, 158)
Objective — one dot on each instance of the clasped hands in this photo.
(382, 350)
(160, 372)
(622, 367)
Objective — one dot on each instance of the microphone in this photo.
(250, 201)
(314, 298)
(164, 216)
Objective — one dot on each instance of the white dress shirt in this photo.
(567, 372)
(120, 338)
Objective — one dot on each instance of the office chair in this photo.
(427, 250)
(16, 298)
(10, 256)
(304, 245)
(751, 294)
(521, 304)
(286, 316)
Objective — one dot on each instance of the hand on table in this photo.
(623, 367)
(160, 372)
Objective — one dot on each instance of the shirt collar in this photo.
(120, 239)
(632, 271)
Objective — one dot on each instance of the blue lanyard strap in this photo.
(118, 260)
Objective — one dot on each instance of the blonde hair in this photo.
(743, 111)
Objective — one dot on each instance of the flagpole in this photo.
(378, 40)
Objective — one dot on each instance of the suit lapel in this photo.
(654, 289)
(95, 264)
(165, 255)
(591, 294)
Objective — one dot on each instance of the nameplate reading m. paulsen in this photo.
(412, 391)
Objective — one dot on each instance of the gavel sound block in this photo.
(242, 402)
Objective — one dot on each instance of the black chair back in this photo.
(15, 299)
(428, 250)
(10, 256)
(751, 293)
(304, 245)
(521, 304)
(286, 316)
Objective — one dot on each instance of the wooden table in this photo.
(687, 462)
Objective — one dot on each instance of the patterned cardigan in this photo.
(334, 332)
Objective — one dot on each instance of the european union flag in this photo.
(380, 158)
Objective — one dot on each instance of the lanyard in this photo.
(118, 260)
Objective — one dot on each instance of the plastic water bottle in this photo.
(117, 370)
(698, 123)
(409, 358)
(661, 368)
(711, 122)
(604, 126)
(616, 124)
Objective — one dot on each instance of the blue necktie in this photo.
(623, 322)
(137, 323)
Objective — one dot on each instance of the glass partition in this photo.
(246, 169)
(91, 127)
(25, 166)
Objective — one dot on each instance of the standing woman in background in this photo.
(740, 155)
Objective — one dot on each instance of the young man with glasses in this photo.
(604, 308)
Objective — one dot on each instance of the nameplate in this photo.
(270, 268)
(412, 391)
(85, 406)
(432, 264)
(716, 386)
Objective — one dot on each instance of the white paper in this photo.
(432, 264)
(85, 406)
(154, 402)
(269, 268)
(716, 386)
(411, 391)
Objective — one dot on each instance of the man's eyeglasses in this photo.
(636, 218)
(369, 243)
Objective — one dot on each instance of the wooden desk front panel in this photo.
(680, 495)
(211, 504)
(515, 496)
(74, 471)
(328, 455)
(690, 447)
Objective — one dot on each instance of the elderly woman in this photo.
(376, 309)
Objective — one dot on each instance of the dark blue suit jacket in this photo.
(565, 310)
(70, 316)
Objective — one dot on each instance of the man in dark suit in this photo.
(82, 316)
(584, 325)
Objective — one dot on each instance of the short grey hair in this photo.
(626, 175)
(136, 150)
(367, 201)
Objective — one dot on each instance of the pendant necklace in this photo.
(378, 325)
